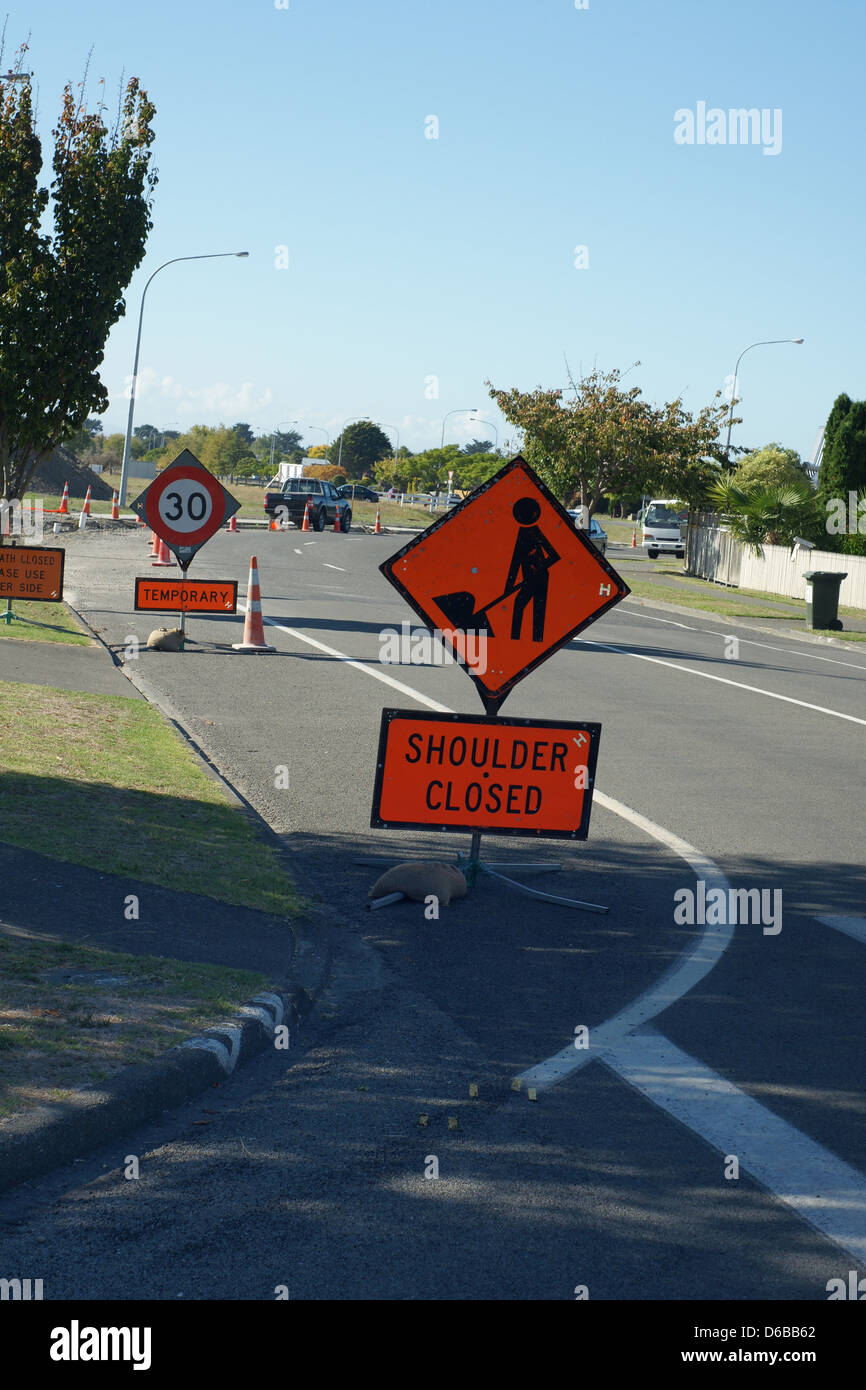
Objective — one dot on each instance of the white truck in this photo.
(664, 528)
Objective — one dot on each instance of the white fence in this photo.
(714, 554)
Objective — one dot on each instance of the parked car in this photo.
(597, 534)
(663, 528)
(356, 491)
(290, 502)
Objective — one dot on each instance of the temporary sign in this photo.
(185, 506)
(471, 772)
(187, 595)
(31, 572)
(505, 578)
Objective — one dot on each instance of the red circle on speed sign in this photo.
(185, 506)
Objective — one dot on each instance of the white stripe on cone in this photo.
(254, 628)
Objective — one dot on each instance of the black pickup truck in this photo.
(289, 503)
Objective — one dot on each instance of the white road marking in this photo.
(851, 926)
(696, 961)
(341, 568)
(722, 680)
(766, 646)
(311, 542)
(810, 1180)
(298, 552)
(358, 665)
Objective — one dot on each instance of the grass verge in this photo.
(105, 782)
(98, 1011)
(43, 622)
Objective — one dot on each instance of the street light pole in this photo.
(771, 342)
(461, 410)
(485, 423)
(274, 436)
(124, 470)
(321, 428)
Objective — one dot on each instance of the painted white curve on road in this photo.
(747, 641)
(696, 961)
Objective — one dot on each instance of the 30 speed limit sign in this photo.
(185, 506)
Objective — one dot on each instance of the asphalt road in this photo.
(619, 1177)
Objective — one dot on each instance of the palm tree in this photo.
(758, 515)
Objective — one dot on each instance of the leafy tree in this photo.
(772, 466)
(318, 451)
(244, 432)
(364, 444)
(325, 470)
(144, 431)
(61, 290)
(843, 462)
(478, 446)
(607, 439)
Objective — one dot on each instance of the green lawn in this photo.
(57, 1036)
(104, 781)
(43, 622)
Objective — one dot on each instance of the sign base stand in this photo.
(471, 865)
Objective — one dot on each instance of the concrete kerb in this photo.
(44, 1139)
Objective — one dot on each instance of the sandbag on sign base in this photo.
(419, 879)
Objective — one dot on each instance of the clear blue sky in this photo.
(411, 257)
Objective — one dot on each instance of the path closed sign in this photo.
(471, 772)
(505, 579)
(31, 572)
(186, 595)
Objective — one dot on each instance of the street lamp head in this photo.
(798, 340)
(242, 253)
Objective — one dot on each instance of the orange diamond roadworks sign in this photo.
(505, 578)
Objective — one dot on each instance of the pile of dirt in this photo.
(61, 468)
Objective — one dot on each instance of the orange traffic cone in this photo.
(305, 525)
(233, 524)
(63, 509)
(377, 529)
(634, 539)
(115, 510)
(254, 627)
(86, 508)
(163, 557)
(154, 544)
(338, 519)
(275, 525)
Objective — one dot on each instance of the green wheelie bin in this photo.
(822, 598)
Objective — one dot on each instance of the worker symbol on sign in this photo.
(532, 559)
